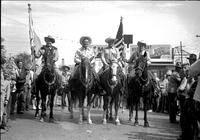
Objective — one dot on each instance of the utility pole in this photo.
(198, 36)
(181, 52)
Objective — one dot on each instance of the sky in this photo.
(155, 22)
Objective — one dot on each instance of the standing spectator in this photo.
(156, 100)
(33, 87)
(174, 82)
(27, 87)
(195, 71)
(21, 79)
(164, 94)
(65, 85)
(5, 94)
(187, 121)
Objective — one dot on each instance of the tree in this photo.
(3, 52)
(25, 58)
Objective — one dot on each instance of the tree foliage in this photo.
(3, 52)
(25, 58)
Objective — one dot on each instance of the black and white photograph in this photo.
(100, 70)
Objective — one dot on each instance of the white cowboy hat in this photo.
(84, 38)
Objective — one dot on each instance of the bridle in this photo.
(112, 75)
(140, 79)
(49, 83)
(87, 72)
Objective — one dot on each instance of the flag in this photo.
(35, 42)
(119, 40)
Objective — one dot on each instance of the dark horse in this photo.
(46, 84)
(81, 86)
(139, 86)
(111, 82)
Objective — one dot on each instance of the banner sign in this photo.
(157, 53)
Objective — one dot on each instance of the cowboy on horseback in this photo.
(85, 52)
(48, 79)
(48, 51)
(133, 61)
(109, 56)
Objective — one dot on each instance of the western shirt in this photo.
(84, 53)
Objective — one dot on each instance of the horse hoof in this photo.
(45, 114)
(84, 118)
(110, 118)
(80, 122)
(146, 124)
(71, 117)
(136, 124)
(51, 120)
(130, 120)
(41, 119)
(36, 115)
(89, 121)
(104, 122)
(118, 123)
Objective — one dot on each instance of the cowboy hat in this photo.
(49, 38)
(178, 64)
(65, 67)
(109, 40)
(192, 57)
(84, 38)
(141, 43)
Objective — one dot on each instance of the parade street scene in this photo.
(100, 70)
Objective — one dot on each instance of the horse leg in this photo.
(105, 108)
(146, 124)
(136, 123)
(110, 108)
(100, 101)
(83, 112)
(63, 103)
(37, 104)
(117, 104)
(81, 109)
(43, 108)
(131, 113)
(51, 118)
(71, 100)
(89, 109)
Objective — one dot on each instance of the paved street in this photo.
(26, 127)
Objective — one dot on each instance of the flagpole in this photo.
(31, 44)
(31, 37)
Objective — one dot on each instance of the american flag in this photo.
(34, 39)
(119, 40)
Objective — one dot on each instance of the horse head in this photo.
(49, 71)
(113, 73)
(141, 69)
(85, 71)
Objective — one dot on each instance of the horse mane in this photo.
(85, 63)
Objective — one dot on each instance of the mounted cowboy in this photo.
(141, 50)
(85, 51)
(48, 51)
(49, 78)
(111, 55)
